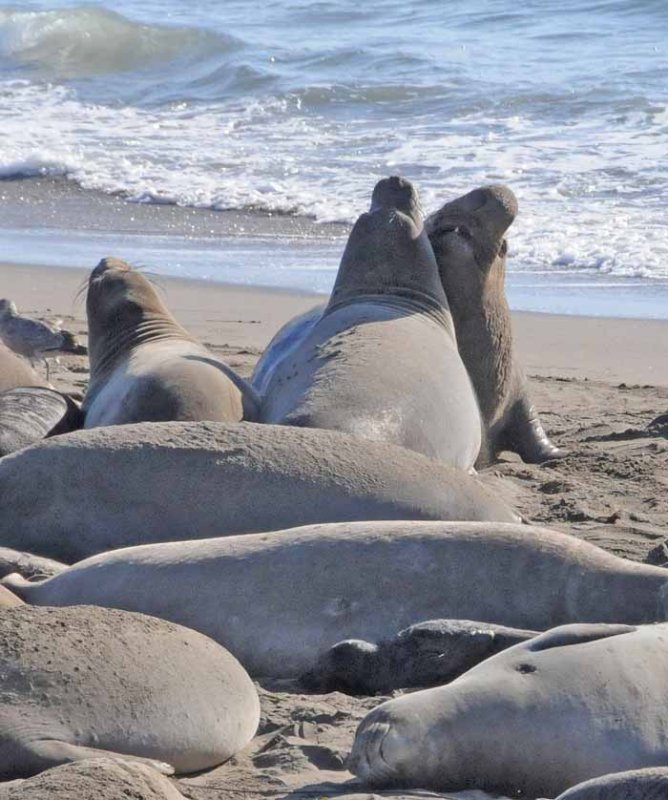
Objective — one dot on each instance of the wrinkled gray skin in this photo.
(426, 654)
(15, 372)
(87, 682)
(468, 239)
(29, 414)
(94, 779)
(28, 565)
(94, 490)
(381, 362)
(572, 704)
(144, 366)
(637, 784)
(279, 600)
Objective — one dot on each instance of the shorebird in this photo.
(28, 337)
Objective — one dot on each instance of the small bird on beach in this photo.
(29, 337)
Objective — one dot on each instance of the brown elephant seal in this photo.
(426, 654)
(468, 239)
(381, 362)
(576, 702)
(15, 372)
(90, 491)
(94, 779)
(144, 366)
(635, 784)
(30, 413)
(87, 682)
(315, 586)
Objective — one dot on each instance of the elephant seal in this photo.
(426, 654)
(15, 372)
(635, 784)
(94, 779)
(574, 703)
(27, 565)
(29, 414)
(90, 491)
(9, 599)
(279, 600)
(468, 239)
(381, 362)
(144, 366)
(87, 682)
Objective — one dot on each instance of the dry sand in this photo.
(598, 383)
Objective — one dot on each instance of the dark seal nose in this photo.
(109, 264)
(496, 200)
(395, 192)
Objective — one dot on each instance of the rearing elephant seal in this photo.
(144, 366)
(382, 362)
(574, 703)
(467, 236)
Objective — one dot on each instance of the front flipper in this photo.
(37, 756)
(29, 414)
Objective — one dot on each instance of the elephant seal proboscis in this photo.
(29, 414)
(635, 784)
(15, 372)
(144, 366)
(428, 653)
(574, 703)
(468, 238)
(381, 362)
(279, 600)
(85, 682)
(94, 779)
(96, 490)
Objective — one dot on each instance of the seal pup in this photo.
(15, 372)
(382, 363)
(94, 779)
(87, 682)
(144, 366)
(574, 703)
(468, 239)
(635, 784)
(317, 585)
(426, 654)
(90, 491)
(29, 414)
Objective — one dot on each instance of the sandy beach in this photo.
(601, 387)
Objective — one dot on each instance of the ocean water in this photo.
(295, 108)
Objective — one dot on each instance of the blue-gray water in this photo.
(298, 106)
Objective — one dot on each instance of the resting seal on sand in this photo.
(15, 372)
(635, 784)
(29, 414)
(89, 682)
(576, 702)
(314, 586)
(9, 599)
(94, 779)
(426, 654)
(144, 366)
(381, 362)
(467, 236)
(90, 491)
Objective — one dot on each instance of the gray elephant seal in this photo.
(94, 779)
(315, 586)
(27, 565)
(29, 414)
(382, 363)
(574, 703)
(144, 366)
(90, 491)
(15, 372)
(426, 654)
(636, 784)
(468, 238)
(89, 682)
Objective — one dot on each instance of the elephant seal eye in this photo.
(503, 250)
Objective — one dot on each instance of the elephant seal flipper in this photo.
(635, 784)
(28, 414)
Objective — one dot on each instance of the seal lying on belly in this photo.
(90, 491)
(574, 703)
(381, 362)
(635, 784)
(144, 366)
(467, 236)
(88, 682)
(279, 600)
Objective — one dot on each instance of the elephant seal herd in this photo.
(323, 524)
